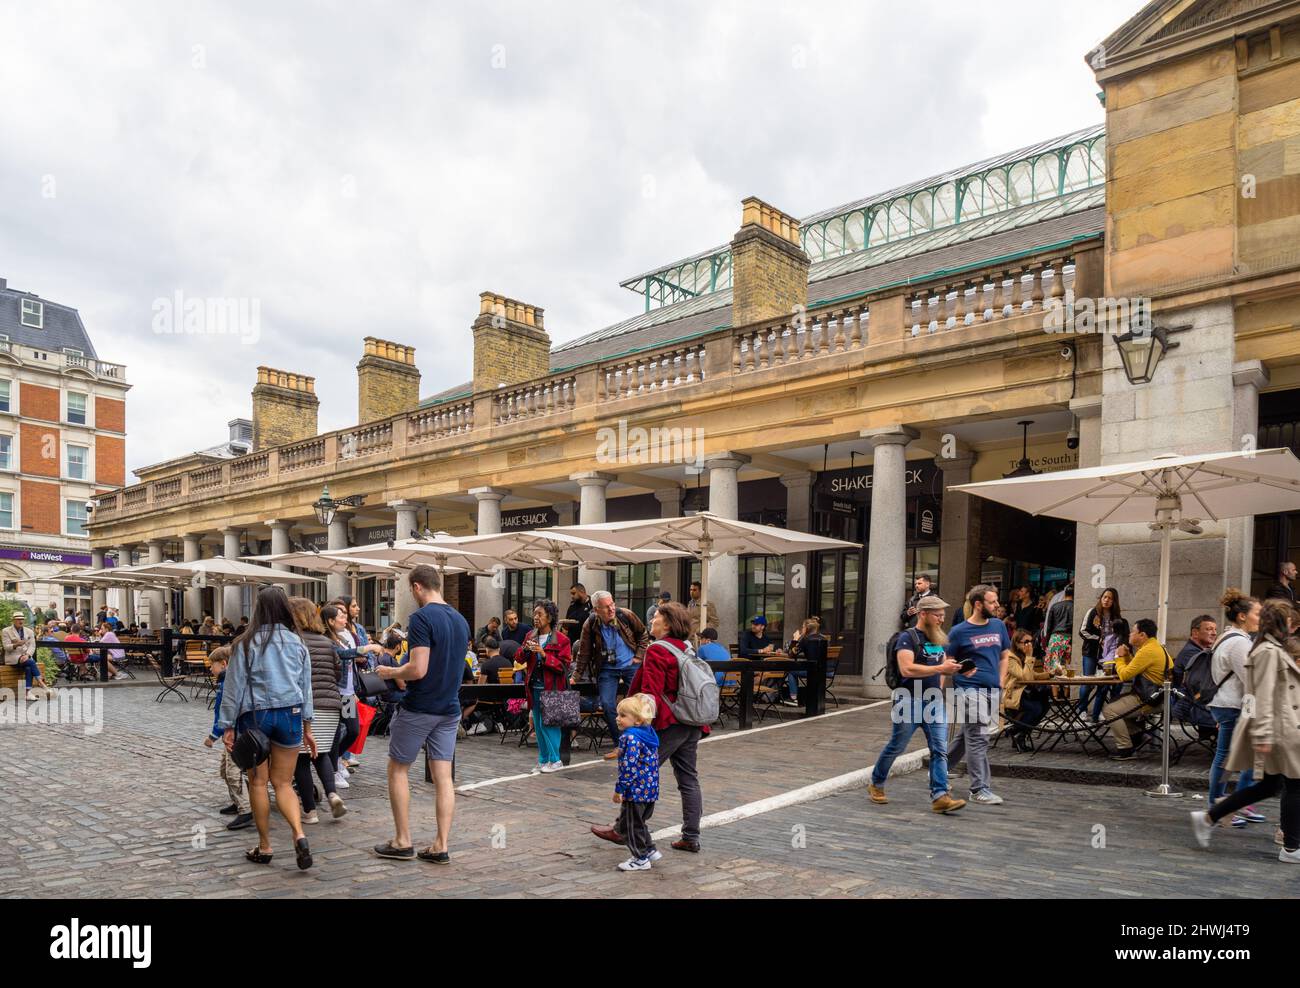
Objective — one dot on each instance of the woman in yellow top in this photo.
(1024, 702)
(1151, 661)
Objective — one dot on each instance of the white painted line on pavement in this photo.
(712, 737)
(910, 762)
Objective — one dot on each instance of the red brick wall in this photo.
(41, 508)
(110, 414)
(36, 402)
(39, 450)
(110, 460)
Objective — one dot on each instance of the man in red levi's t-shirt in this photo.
(657, 678)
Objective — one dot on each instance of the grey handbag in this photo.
(560, 708)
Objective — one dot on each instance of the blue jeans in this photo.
(32, 670)
(1100, 694)
(607, 684)
(1226, 718)
(281, 725)
(936, 736)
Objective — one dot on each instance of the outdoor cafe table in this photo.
(1064, 719)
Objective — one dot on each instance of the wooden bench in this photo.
(11, 678)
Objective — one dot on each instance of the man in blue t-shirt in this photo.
(711, 651)
(429, 713)
(919, 703)
(982, 644)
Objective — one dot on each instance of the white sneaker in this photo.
(343, 772)
(986, 797)
(352, 763)
(336, 805)
(655, 855)
(341, 783)
(635, 864)
(1202, 828)
(552, 767)
(121, 675)
(311, 817)
(1292, 857)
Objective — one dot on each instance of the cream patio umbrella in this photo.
(220, 571)
(1166, 493)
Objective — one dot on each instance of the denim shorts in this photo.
(281, 725)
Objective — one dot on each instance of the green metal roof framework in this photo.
(1030, 175)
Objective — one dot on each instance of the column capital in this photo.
(1249, 372)
(193, 536)
(954, 464)
(592, 479)
(1086, 408)
(726, 461)
(406, 505)
(232, 530)
(489, 493)
(669, 495)
(160, 542)
(279, 524)
(893, 435)
(803, 478)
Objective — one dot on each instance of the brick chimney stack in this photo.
(510, 343)
(769, 269)
(388, 381)
(284, 408)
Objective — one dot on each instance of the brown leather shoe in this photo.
(608, 833)
(876, 793)
(686, 845)
(946, 804)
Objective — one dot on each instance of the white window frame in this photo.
(32, 307)
(67, 462)
(8, 386)
(69, 502)
(67, 408)
(12, 526)
(9, 465)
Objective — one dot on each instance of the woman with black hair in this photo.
(1099, 646)
(336, 620)
(268, 687)
(548, 654)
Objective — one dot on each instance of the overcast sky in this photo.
(368, 169)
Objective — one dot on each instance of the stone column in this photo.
(155, 600)
(1248, 377)
(1090, 577)
(724, 501)
(886, 549)
(489, 592)
(403, 600)
(337, 584)
(591, 511)
(192, 550)
(959, 536)
(98, 596)
(798, 568)
(567, 515)
(231, 599)
(670, 570)
(127, 611)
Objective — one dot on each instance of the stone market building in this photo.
(839, 373)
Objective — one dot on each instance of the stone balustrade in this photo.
(987, 296)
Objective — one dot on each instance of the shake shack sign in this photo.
(529, 518)
(922, 477)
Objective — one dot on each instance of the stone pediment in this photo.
(1162, 21)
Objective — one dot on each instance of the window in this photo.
(524, 588)
(762, 591)
(6, 452)
(33, 313)
(76, 408)
(4, 397)
(6, 511)
(636, 587)
(75, 517)
(78, 462)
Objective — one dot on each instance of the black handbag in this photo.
(252, 746)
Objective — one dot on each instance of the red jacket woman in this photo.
(657, 676)
(555, 658)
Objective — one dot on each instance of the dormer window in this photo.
(33, 314)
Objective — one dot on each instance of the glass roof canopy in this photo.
(1030, 175)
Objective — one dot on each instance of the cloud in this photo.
(369, 169)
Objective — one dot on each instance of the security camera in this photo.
(1067, 353)
(1072, 438)
(90, 507)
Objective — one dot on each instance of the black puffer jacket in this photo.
(324, 672)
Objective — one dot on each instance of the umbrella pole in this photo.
(1164, 789)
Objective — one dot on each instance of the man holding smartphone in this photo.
(981, 646)
(922, 664)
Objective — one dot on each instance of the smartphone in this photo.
(967, 667)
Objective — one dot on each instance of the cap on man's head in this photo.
(509, 647)
(931, 603)
(665, 596)
(758, 619)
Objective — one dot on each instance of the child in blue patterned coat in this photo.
(637, 788)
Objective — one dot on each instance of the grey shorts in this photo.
(409, 731)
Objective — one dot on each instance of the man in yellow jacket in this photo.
(1147, 658)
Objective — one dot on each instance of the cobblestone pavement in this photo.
(132, 812)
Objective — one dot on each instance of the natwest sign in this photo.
(49, 556)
